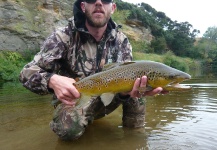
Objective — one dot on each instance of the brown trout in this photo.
(121, 77)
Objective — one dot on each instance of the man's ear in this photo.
(113, 8)
(83, 7)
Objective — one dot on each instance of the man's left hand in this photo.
(141, 83)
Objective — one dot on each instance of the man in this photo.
(90, 41)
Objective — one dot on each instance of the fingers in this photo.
(69, 92)
(143, 82)
(139, 89)
(74, 92)
(154, 91)
(63, 95)
(134, 92)
(64, 89)
(68, 95)
(164, 92)
(139, 83)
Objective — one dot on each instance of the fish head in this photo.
(168, 78)
(175, 80)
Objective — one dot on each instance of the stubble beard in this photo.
(98, 22)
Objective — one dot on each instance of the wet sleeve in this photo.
(36, 74)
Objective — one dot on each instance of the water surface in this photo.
(179, 120)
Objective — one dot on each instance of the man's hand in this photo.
(140, 83)
(64, 89)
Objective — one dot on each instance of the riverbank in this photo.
(12, 62)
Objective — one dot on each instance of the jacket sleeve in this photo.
(36, 74)
(124, 48)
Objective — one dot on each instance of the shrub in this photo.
(173, 61)
(10, 64)
(141, 46)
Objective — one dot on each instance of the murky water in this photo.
(181, 121)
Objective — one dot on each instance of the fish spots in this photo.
(122, 77)
(153, 75)
(171, 76)
(106, 85)
(87, 84)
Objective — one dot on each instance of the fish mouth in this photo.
(175, 86)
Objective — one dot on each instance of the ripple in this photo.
(202, 85)
(185, 133)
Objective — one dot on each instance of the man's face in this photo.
(98, 13)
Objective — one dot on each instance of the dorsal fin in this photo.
(77, 79)
(113, 65)
(110, 66)
(127, 63)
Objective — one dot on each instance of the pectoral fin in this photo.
(83, 99)
(107, 98)
(144, 89)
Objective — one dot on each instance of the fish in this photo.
(120, 77)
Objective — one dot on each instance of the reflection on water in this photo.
(185, 121)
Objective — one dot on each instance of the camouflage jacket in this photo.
(71, 51)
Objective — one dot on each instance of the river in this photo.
(176, 121)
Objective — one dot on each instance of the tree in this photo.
(210, 38)
(179, 37)
(159, 45)
(211, 33)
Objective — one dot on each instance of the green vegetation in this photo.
(206, 49)
(184, 64)
(173, 43)
(172, 36)
(168, 35)
(140, 46)
(11, 64)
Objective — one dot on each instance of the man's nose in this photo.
(98, 2)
